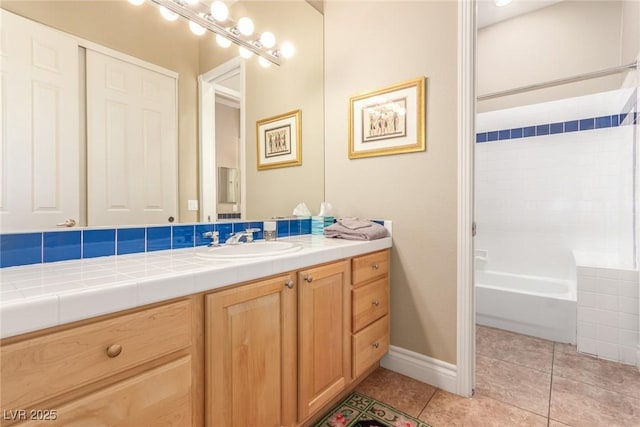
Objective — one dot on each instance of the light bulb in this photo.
(268, 40)
(287, 49)
(136, 2)
(196, 29)
(223, 41)
(264, 62)
(167, 14)
(245, 53)
(245, 26)
(219, 11)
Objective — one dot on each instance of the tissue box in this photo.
(318, 223)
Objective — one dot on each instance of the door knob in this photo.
(289, 284)
(308, 278)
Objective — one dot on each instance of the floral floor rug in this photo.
(358, 410)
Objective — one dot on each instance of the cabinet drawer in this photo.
(367, 267)
(46, 366)
(370, 302)
(161, 396)
(369, 345)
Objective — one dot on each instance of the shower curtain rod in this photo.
(551, 83)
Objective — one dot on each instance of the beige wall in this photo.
(297, 84)
(372, 45)
(630, 31)
(562, 40)
(140, 32)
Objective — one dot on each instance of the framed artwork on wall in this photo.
(279, 140)
(388, 120)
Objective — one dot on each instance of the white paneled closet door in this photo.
(39, 146)
(132, 142)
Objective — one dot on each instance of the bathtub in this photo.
(539, 306)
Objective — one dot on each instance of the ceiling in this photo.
(489, 13)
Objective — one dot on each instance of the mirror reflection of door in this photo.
(227, 143)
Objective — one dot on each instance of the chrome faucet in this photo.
(235, 238)
(214, 236)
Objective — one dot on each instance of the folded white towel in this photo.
(355, 229)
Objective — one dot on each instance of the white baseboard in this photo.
(422, 368)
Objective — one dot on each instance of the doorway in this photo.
(222, 148)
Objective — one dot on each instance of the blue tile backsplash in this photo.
(20, 249)
(62, 245)
(97, 243)
(34, 248)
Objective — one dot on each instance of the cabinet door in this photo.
(39, 145)
(323, 335)
(161, 396)
(251, 354)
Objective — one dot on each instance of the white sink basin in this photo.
(249, 250)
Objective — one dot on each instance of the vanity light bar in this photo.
(201, 18)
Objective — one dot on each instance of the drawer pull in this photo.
(114, 350)
(376, 344)
(376, 266)
(308, 278)
(376, 303)
(289, 284)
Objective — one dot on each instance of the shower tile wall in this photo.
(539, 198)
(608, 313)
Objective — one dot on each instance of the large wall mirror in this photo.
(141, 32)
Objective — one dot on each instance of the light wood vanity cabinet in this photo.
(323, 336)
(251, 354)
(370, 314)
(272, 352)
(139, 368)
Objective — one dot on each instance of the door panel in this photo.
(39, 154)
(132, 143)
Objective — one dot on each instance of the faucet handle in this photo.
(249, 233)
(214, 236)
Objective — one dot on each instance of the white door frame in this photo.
(207, 89)
(465, 363)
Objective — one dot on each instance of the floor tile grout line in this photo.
(517, 364)
(428, 401)
(629, 396)
(553, 360)
(513, 363)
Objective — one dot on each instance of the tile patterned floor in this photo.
(521, 381)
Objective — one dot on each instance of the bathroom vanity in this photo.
(259, 341)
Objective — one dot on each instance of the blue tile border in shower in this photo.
(629, 117)
(48, 246)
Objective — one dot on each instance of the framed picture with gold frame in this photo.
(279, 140)
(388, 120)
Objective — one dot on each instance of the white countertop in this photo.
(38, 296)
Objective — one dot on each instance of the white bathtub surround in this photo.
(542, 307)
(538, 198)
(45, 295)
(608, 322)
